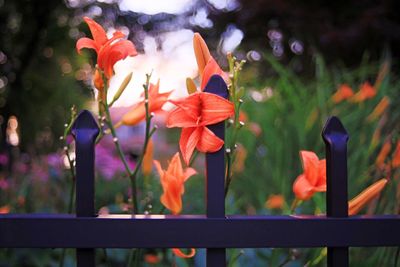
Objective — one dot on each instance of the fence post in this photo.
(85, 131)
(215, 173)
(335, 138)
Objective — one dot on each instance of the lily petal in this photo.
(311, 166)
(180, 254)
(85, 42)
(201, 52)
(186, 114)
(302, 188)
(112, 53)
(209, 142)
(215, 108)
(211, 69)
(188, 173)
(98, 33)
(357, 203)
(189, 139)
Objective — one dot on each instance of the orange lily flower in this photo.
(344, 92)
(205, 62)
(379, 109)
(109, 51)
(357, 203)
(172, 182)
(396, 156)
(5, 209)
(193, 113)
(275, 202)
(383, 153)
(151, 258)
(314, 177)
(366, 91)
(138, 112)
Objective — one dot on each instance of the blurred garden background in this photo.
(305, 61)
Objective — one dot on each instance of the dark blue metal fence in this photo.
(85, 231)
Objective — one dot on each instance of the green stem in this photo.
(148, 134)
(234, 70)
(72, 172)
(228, 173)
(296, 202)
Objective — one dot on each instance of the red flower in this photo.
(109, 51)
(193, 113)
(314, 177)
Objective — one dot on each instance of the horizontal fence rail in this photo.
(215, 231)
(159, 231)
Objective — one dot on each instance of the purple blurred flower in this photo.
(108, 164)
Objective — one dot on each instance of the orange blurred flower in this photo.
(396, 156)
(151, 258)
(383, 153)
(314, 177)
(366, 91)
(148, 159)
(240, 158)
(357, 203)
(138, 111)
(206, 63)
(172, 182)
(275, 202)
(193, 113)
(109, 51)
(379, 109)
(98, 80)
(343, 92)
(5, 209)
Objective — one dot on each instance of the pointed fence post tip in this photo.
(334, 131)
(85, 121)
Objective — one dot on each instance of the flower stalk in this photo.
(234, 94)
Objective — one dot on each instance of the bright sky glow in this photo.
(172, 65)
(231, 39)
(151, 7)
